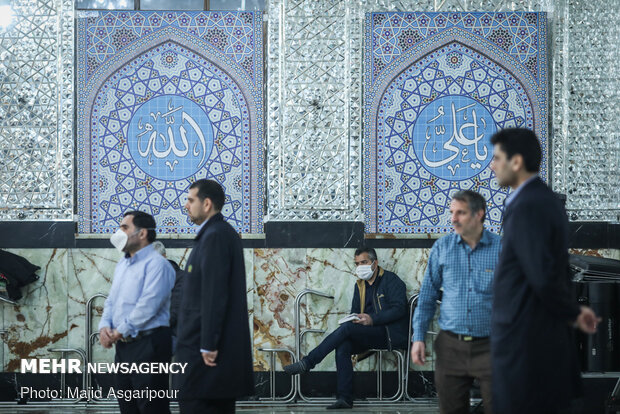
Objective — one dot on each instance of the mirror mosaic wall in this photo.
(37, 111)
(314, 106)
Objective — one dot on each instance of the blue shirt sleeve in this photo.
(108, 305)
(157, 289)
(429, 293)
(106, 317)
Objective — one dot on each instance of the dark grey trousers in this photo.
(457, 364)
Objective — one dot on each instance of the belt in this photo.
(466, 338)
(141, 334)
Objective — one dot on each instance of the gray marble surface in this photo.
(52, 312)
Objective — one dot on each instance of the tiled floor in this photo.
(64, 408)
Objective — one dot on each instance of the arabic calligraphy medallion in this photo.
(170, 137)
(451, 137)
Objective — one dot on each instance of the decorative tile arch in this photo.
(438, 85)
(167, 98)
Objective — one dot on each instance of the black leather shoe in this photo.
(340, 405)
(298, 367)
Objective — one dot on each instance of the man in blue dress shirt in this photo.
(463, 264)
(136, 313)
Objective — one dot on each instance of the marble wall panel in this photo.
(52, 311)
(39, 321)
(607, 253)
(279, 274)
(248, 257)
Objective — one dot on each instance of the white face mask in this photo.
(119, 240)
(364, 272)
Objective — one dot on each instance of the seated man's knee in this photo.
(346, 328)
(344, 349)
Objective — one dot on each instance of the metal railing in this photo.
(63, 379)
(7, 300)
(413, 302)
(90, 338)
(400, 392)
(294, 395)
(299, 334)
(272, 380)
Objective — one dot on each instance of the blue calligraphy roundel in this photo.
(170, 137)
(451, 137)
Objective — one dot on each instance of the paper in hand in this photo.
(351, 317)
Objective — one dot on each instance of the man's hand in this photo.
(105, 337)
(115, 336)
(418, 351)
(209, 358)
(364, 319)
(587, 320)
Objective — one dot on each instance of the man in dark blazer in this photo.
(213, 329)
(535, 368)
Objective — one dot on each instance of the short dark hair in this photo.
(372, 254)
(520, 141)
(212, 190)
(145, 221)
(474, 200)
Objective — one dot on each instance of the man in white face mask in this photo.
(136, 313)
(380, 305)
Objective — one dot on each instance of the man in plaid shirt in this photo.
(463, 264)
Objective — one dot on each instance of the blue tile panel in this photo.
(164, 99)
(437, 86)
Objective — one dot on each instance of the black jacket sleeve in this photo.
(175, 299)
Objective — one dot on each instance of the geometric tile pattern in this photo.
(438, 85)
(515, 33)
(314, 122)
(36, 112)
(167, 98)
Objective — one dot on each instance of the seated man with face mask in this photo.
(380, 303)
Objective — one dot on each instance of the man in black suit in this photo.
(534, 359)
(175, 298)
(213, 329)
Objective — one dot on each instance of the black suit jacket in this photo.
(175, 298)
(213, 315)
(534, 355)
